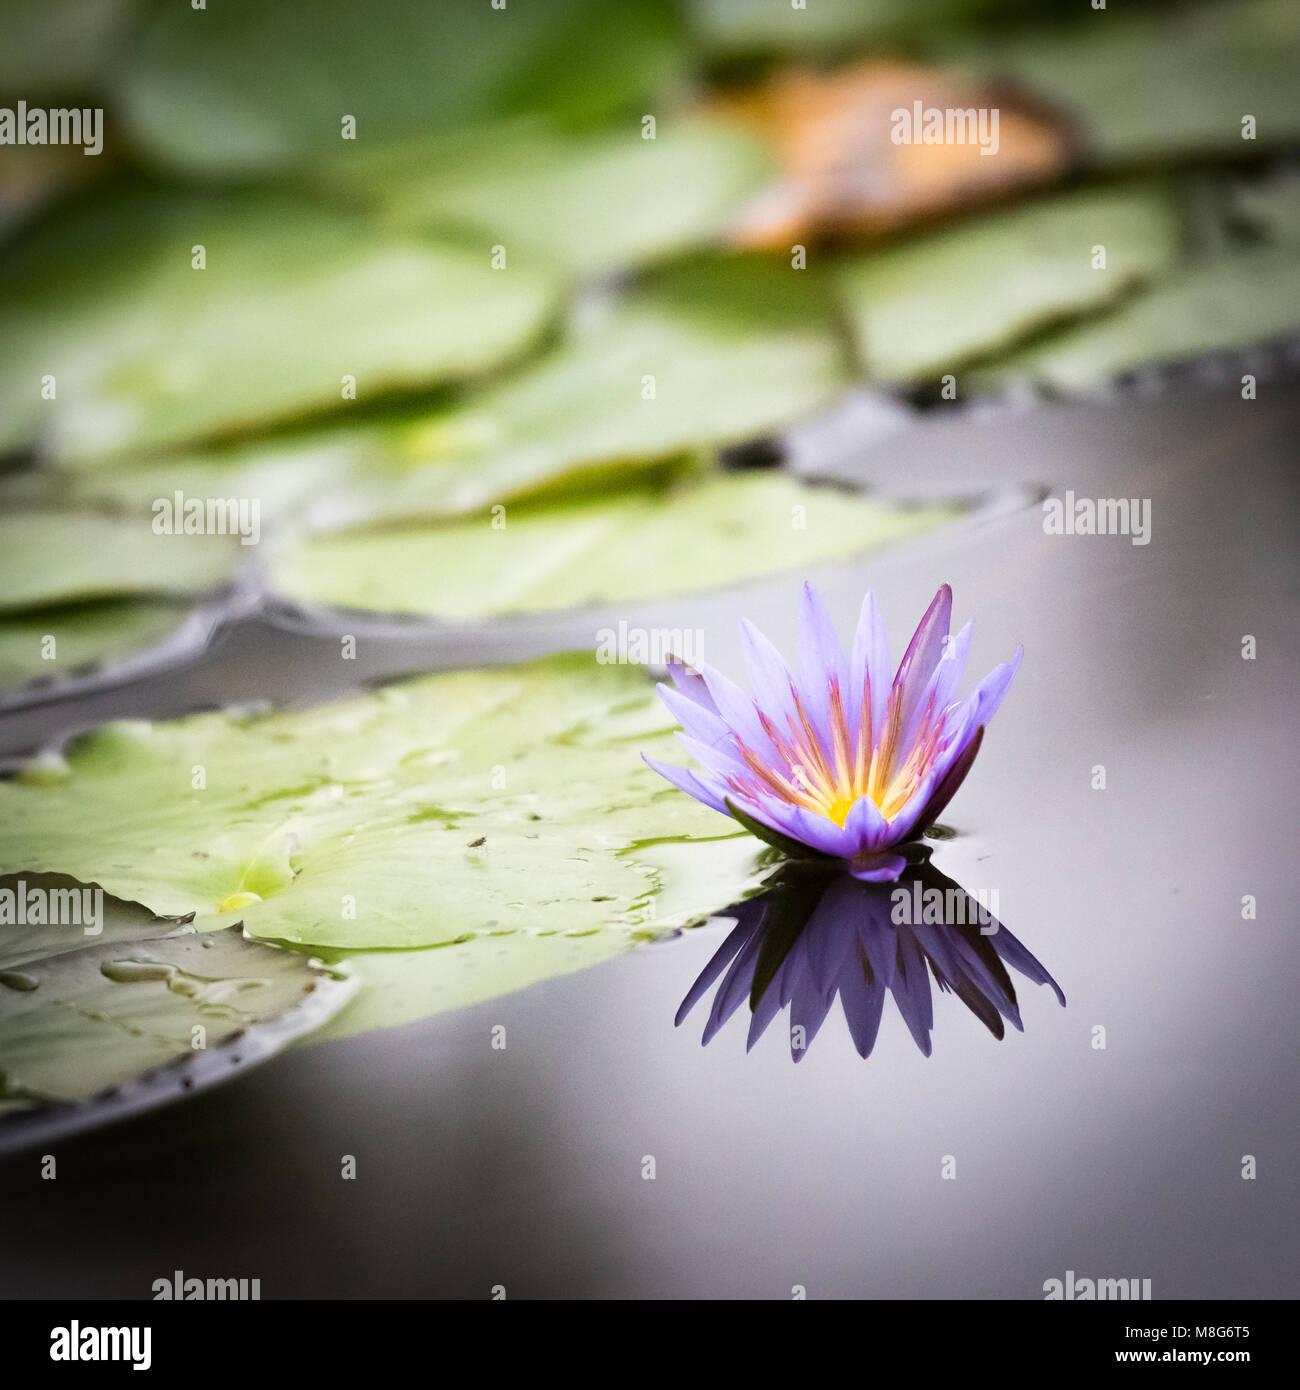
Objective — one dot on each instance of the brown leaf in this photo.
(841, 170)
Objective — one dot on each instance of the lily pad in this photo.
(462, 805)
(76, 1023)
(695, 534)
(586, 204)
(735, 348)
(928, 306)
(245, 87)
(1229, 303)
(144, 350)
(712, 352)
(53, 557)
(90, 636)
(1172, 82)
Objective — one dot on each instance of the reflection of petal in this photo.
(818, 934)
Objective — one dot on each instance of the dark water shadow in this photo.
(817, 934)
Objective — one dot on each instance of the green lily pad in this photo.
(77, 1022)
(54, 557)
(83, 917)
(713, 352)
(1225, 304)
(401, 986)
(246, 87)
(86, 636)
(695, 534)
(146, 351)
(585, 204)
(736, 348)
(928, 306)
(457, 806)
(1172, 82)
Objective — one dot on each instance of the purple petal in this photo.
(698, 721)
(719, 961)
(685, 780)
(691, 684)
(952, 666)
(916, 671)
(769, 676)
(864, 826)
(737, 709)
(797, 823)
(877, 866)
(870, 662)
(821, 662)
(952, 779)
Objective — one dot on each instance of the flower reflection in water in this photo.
(814, 934)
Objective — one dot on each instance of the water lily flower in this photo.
(836, 761)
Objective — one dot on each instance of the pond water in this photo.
(603, 1152)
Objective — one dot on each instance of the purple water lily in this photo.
(836, 761)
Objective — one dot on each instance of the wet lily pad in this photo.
(928, 306)
(511, 799)
(54, 557)
(75, 1023)
(246, 87)
(695, 534)
(1229, 303)
(145, 350)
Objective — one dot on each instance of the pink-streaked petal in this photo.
(737, 709)
(769, 677)
(715, 759)
(869, 662)
(923, 652)
(821, 662)
(953, 778)
(912, 810)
